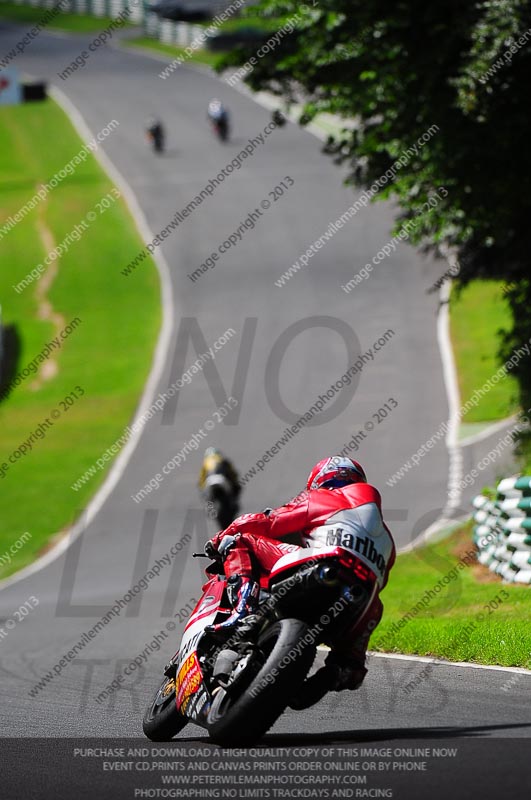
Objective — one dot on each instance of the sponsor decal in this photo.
(363, 545)
(188, 645)
(189, 679)
(196, 705)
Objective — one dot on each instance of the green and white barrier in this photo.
(181, 34)
(503, 531)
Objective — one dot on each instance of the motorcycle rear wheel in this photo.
(244, 718)
(162, 721)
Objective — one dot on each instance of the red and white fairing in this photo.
(190, 695)
(359, 530)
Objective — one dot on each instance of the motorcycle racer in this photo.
(219, 118)
(219, 485)
(216, 110)
(336, 491)
(155, 134)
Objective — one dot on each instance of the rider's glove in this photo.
(211, 550)
(219, 545)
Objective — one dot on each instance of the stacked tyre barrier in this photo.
(503, 530)
(93, 8)
(166, 31)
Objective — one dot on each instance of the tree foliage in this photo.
(399, 68)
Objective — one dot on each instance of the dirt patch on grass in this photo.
(45, 310)
(463, 545)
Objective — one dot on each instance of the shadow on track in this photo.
(388, 734)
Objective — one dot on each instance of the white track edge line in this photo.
(438, 661)
(442, 662)
(455, 467)
(159, 359)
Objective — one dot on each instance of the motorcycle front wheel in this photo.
(284, 660)
(162, 721)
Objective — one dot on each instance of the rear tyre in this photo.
(162, 721)
(223, 130)
(224, 508)
(285, 661)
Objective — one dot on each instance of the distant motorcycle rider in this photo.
(336, 491)
(219, 117)
(216, 110)
(155, 134)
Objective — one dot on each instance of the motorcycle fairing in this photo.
(361, 531)
(188, 680)
(207, 606)
(302, 556)
(191, 695)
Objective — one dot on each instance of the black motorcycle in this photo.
(221, 128)
(155, 135)
(220, 499)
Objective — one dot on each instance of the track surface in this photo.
(125, 86)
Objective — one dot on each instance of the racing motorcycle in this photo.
(220, 500)
(238, 685)
(155, 135)
(220, 126)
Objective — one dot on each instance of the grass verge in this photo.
(477, 314)
(109, 352)
(464, 620)
(197, 57)
(75, 23)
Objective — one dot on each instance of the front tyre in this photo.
(285, 660)
(162, 721)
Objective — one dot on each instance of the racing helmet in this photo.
(215, 106)
(335, 471)
(211, 451)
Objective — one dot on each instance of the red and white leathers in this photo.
(258, 548)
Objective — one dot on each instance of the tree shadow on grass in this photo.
(9, 359)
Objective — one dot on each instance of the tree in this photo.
(402, 68)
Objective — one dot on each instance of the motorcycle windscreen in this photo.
(362, 531)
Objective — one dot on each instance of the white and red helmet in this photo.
(335, 471)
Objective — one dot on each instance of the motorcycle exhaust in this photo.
(327, 575)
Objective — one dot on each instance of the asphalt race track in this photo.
(126, 538)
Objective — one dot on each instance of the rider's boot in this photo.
(338, 673)
(247, 591)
